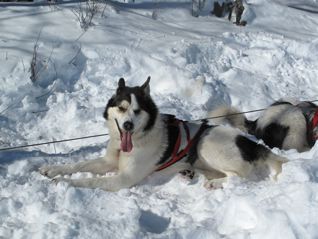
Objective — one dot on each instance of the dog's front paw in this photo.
(187, 174)
(50, 171)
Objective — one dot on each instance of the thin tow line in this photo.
(52, 142)
(102, 135)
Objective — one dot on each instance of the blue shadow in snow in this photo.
(153, 223)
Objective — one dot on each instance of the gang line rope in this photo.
(103, 135)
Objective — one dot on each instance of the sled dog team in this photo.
(142, 141)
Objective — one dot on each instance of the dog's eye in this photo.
(137, 111)
(121, 109)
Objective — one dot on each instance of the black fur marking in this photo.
(250, 150)
(273, 135)
(173, 132)
(250, 126)
(146, 103)
(281, 103)
(193, 152)
(121, 83)
(111, 103)
(306, 104)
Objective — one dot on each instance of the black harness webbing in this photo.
(172, 153)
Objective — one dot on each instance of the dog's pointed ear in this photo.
(121, 83)
(146, 87)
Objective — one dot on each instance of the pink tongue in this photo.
(126, 144)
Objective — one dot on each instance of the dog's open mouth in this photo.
(125, 137)
(126, 142)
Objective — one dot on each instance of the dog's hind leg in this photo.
(216, 183)
(211, 173)
(214, 178)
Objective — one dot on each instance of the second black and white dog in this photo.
(143, 141)
(284, 124)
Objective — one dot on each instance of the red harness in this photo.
(176, 154)
(314, 121)
(314, 124)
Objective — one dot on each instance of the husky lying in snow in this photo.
(143, 141)
(284, 125)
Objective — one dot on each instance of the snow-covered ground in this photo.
(196, 64)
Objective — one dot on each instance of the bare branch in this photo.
(86, 12)
(33, 70)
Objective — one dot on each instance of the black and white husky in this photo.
(143, 141)
(284, 124)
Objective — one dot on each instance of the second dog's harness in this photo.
(173, 153)
(310, 111)
(313, 125)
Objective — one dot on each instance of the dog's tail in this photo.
(232, 116)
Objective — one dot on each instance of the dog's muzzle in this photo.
(125, 136)
(128, 126)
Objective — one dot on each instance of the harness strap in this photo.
(177, 145)
(193, 151)
(178, 156)
(186, 128)
(314, 121)
(314, 124)
(310, 112)
(175, 154)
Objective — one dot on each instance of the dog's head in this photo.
(133, 111)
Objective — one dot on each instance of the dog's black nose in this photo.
(128, 126)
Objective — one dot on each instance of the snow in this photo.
(196, 64)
